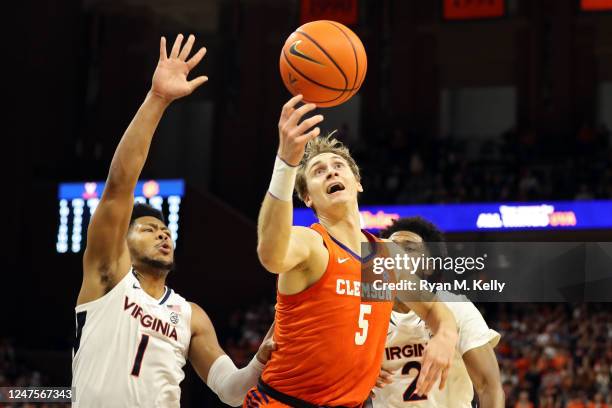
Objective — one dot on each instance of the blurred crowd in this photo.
(14, 372)
(403, 168)
(550, 355)
(555, 356)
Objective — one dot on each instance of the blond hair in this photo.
(315, 147)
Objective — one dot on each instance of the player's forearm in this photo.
(440, 320)
(230, 383)
(491, 395)
(274, 231)
(133, 149)
(276, 217)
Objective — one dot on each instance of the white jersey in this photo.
(406, 340)
(130, 348)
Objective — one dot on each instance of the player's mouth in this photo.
(335, 188)
(164, 248)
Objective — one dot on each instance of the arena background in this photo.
(512, 107)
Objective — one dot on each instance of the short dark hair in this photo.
(145, 210)
(431, 235)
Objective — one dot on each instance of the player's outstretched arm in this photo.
(215, 368)
(483, 369)
(106, 256)
(281, 247)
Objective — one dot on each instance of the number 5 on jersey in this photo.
(362, 334)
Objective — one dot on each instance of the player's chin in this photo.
(164, 262)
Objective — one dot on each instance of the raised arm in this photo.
(281, 247)
(215, 368)
(106, 258)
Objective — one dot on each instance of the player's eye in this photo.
(339, 165)
(319, 171)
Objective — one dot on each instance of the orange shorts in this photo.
(256, 398)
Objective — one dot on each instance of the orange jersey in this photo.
(330, 342)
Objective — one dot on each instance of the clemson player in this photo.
(330, 341)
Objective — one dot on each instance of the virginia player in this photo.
(134, 334)
(329, 340)
(474, 364)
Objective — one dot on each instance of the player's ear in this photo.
(307, 200)
(359, 187)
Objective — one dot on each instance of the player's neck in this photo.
(346, 229)
(152, 281)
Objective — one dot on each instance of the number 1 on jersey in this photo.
(139, 354)
(362, 335)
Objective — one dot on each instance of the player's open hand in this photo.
(267, 346)
(437, 359)
(170, 77)
(293, 134)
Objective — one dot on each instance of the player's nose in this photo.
(331, 172)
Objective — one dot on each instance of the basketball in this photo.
(324, 61)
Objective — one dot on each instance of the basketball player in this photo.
(474, 364)
(329, 341)
(134, 334)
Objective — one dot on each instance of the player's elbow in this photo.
(490, 389)
(271, 261)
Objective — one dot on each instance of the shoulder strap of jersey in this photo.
(330, 244)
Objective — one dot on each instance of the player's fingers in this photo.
(386, 376)
(287, 110)
(308, 136)
(187, 48)
(197, 57)
(288, 107)
(162, 49)
(297, 114)
(443, 378)
(196, 82)
(433, 375)
(270, 332)
(425, 368)
(307, 124)
(176, 46)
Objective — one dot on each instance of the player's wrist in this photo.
(282, 182)
(448, 334)
(157, 99)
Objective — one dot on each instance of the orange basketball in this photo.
(324, 61)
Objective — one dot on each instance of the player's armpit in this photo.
(106, 259)
(483, 369)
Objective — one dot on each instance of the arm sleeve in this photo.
(473, 330)
(230, 383)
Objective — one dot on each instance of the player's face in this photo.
(330, 181)
(150, 242)
(413, 244)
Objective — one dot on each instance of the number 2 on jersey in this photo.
(362, 335)
(409, 394)
(139, 354)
